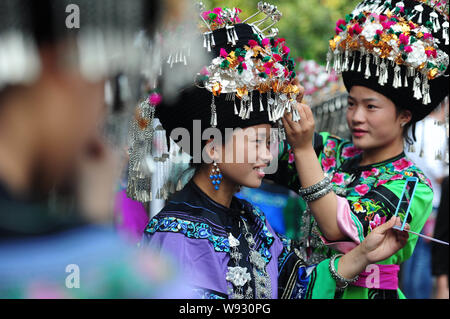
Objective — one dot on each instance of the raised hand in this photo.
(384, 241)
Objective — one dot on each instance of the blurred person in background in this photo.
(417, 281)
(52, 108)
(439, 253)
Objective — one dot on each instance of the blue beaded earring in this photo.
(216, 176)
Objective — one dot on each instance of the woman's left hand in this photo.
(384, 241)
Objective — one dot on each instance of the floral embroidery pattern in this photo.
(189, 229)
(350, 151)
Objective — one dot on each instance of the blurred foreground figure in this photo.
(55, 58)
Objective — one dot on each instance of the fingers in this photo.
(388, 225)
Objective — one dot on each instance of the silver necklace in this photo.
(239, 276)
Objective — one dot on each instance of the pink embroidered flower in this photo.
(351, 151)
(381, 182)
(338, 179)
(265, 42)
(366, 174)
(362, 189)
(372, 172)
(408, 49)
(402, 164)
(396, 177)
(377, 221)
(331, 144)
(328, 163)
(291, 157)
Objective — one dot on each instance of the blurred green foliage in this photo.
(307, 25)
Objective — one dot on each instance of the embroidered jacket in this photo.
(194, 231)
(367, 195)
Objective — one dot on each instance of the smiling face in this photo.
(245, 155)
(373, 119)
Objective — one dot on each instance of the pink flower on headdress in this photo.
(404, 39)
(388, 24)
(217, 10)
(340, 22)
(155, 99)
(265, 42)
(382, 18)
(279, 40)
(379, 32)
(223, 53)
(252, 43)
(286, 50)
(277, 57)
(206, 14)
(338, 30)
(427, 36)
(204, 71)
(408, 49)
(412, 26)
(431, 53)
(355, 30)
(244, 66)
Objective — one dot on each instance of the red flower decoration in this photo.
(408, 49)
(223, 53)
(286, 50)
(252, 43)
(155, 99)
(404, 39)
(265, 42)
(277, 57)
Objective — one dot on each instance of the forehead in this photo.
(255, 130)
